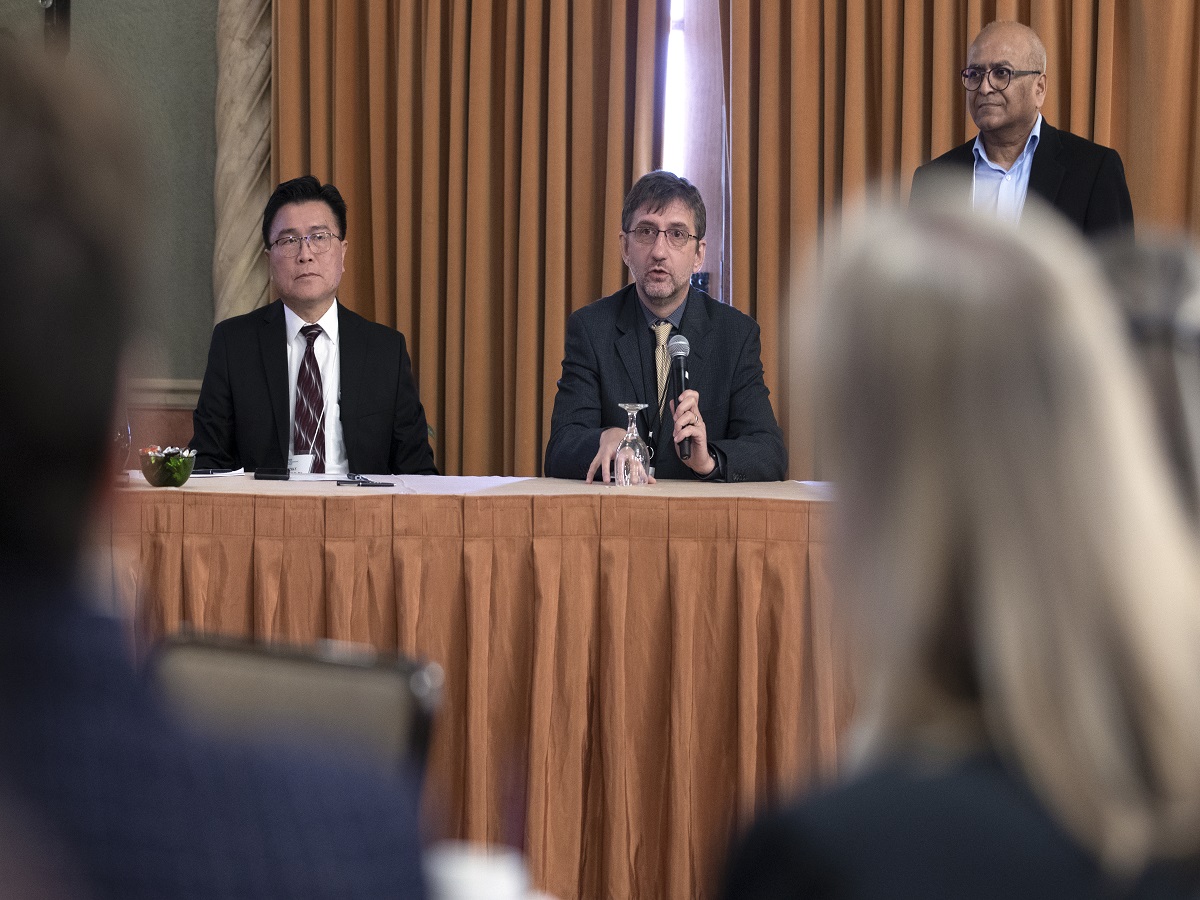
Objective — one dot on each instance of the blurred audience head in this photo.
(1019, 564)
(71, 188)
(1157, 285)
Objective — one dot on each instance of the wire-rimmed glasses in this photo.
(677, 238)
(318, 242)
(999, 77)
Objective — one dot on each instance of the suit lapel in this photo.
(696, 326)
(1046, 173)
(629, 319)
(272, 340)
(960, 158)
(352, 349)
(964, 154)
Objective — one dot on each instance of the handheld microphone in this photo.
(678, 348)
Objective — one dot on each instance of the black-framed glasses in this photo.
(648, 234)
(318, 242)
(999, 77)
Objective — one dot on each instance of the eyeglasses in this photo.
(999, 77)
(318, 242)
(677, 238)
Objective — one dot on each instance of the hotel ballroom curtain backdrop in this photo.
(826, 98)
(484, 148)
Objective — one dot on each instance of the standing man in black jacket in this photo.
(1017, 151)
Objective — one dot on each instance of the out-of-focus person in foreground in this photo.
(1157, 283)
(138, 808)
(1025, 610)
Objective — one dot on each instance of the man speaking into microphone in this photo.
(618, 351)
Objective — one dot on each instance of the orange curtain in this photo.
(827, 98)
(483, 148)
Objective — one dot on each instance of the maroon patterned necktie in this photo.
(309, 433)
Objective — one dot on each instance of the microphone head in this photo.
(678, 346)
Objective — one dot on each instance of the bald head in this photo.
(1022, 37)
(1006, 108)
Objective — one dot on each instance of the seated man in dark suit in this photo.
(1017, 151)
(305, 383)
(133, 806)
(615, 348)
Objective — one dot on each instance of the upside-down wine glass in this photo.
(632, 463)
(122, 438)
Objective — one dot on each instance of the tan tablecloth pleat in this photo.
(628, 674)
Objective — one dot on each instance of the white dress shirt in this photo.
(325, 347)
(999, 191)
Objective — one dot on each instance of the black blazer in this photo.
(609, 361)
(1082, 180)
(973, 830)
(242, 417)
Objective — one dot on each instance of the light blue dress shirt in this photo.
(1001, 192)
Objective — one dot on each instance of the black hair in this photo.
(301, 190)
(657, 189)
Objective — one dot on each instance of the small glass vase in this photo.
(631, 465)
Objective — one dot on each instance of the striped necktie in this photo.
(662, 331)
(309, 433)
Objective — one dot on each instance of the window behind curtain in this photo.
(694, 122)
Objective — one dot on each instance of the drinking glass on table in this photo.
(631, 465)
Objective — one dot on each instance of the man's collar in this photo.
(674, 318)
(292, 323)
(979, 152)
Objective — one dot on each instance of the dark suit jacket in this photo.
(242, 417)
(1082, 180)
(609, 360)
(974, 830)
(146, 810)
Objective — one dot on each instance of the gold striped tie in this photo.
(662, 331)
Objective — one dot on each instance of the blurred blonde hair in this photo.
(1021, 571)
